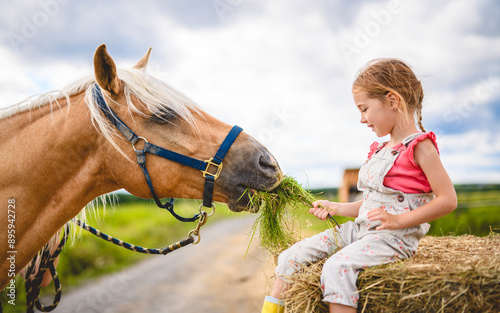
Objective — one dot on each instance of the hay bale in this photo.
(448, 274)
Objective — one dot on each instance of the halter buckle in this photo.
(218, 166)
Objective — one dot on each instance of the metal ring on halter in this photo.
(213, 209)
(195, 233)
(139, 137)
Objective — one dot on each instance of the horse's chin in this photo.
(241, 206)
(239, 192)
(241, 202)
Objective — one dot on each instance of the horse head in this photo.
(163, 116)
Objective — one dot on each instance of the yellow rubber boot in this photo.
(272, 305)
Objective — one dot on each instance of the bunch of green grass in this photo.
(276, 221)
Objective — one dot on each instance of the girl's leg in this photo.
(340, 271)
(289, 261)
(278, 288)
(273, 303)
(339, 308)
(315, 248)
(303, 253)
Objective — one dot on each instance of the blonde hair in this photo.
(381, 76)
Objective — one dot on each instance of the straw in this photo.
(448, 274)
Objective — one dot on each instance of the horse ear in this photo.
(105, 70)
(144, 61)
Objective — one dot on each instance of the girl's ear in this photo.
(393, 100)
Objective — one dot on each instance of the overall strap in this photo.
(410, 138)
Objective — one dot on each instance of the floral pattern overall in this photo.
(357, 245)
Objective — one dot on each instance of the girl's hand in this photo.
(322, 208)
(389, 221)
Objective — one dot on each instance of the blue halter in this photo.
(203, 166)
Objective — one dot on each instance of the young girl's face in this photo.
(379, 115)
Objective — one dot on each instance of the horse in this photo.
(59, 152)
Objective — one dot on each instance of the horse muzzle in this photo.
(249, 168)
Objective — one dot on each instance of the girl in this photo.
(404, 186)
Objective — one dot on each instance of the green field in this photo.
(140, 222)
(478, 213)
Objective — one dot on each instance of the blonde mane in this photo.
(155, 94)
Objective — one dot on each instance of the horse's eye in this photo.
(165, 116)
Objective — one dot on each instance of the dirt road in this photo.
(211, 277)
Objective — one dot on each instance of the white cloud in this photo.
(277, 68)
(472, 156)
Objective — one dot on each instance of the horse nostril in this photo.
(267, 162)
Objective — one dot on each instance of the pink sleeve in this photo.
(373, 148)
(415, 141)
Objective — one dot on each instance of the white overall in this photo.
(357, 245)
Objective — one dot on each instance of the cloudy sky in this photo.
(281, 69)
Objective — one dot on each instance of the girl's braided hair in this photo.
(381, 76)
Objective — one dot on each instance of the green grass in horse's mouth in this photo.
(277, 227)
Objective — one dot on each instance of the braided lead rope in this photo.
(33, 284)
(182, 243)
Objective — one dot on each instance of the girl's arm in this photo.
(445, 201)
(322, 208)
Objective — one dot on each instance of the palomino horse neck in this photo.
(52, 166)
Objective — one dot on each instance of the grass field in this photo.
(478, 213)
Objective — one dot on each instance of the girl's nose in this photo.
(363, 120)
